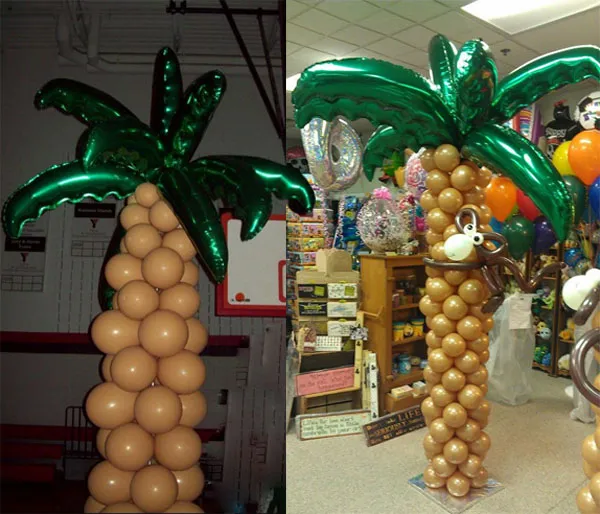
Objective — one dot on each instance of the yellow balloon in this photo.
(560, 159)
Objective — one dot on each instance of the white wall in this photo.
(33, 141)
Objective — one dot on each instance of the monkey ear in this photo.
(458, 219)
(499, 238)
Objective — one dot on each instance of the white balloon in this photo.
(458, 247)
(575, 290)
(593, 275)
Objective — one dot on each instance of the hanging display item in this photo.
(459, 118)
(334, 153)
(561, 129)
(587, 112)
(149, 403)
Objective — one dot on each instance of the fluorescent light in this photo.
(290, 82)
(515, 16)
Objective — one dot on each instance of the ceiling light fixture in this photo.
(515, 16)
(290, 82)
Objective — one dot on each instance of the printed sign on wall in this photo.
(24, 259)
(92, 228)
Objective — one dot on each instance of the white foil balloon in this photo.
(593, 275)
(458, 247)
(334, 153)
(575, 290)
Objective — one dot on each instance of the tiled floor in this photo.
(535, 453)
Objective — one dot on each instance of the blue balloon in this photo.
(594, 196)
(544, 236)
(496, 225)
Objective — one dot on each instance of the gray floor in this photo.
(535, 454)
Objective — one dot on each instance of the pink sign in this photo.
(323, 381)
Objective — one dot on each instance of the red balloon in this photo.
(584, 156)
(527, 207)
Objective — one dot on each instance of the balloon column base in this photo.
(456, 505)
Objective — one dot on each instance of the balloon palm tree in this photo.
(150, 402)
(459, 115)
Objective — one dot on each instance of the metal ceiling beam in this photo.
(173, 8)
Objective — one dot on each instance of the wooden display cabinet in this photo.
(379, 277)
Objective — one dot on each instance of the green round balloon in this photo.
(520, 234)
(578, 192)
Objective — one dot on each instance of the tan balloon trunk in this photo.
(150, 402)
(455, 411)
(588, 498)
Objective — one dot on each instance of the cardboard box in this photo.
(333, 261)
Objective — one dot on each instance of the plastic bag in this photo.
(583, 409)
(511, 355)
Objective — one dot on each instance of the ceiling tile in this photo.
(357, 35)
(293, 8)
(417, 11)
(390, 48)
(293, 66)
(300, 35)
(516, 56)
(350, 10)
(459, 27)
(308, 56)
(290, 47)
(333, 46)
(384, 22)
(311, 2)
(417, 58)
(581, 29)
(363, 52)
(319, 21)
(455, 4)
(417, 36)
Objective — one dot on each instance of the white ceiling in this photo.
(399, 32)
(140, 27)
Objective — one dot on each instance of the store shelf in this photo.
(408, 341)
(415, 375)
(541, 367)
(566, 342)
(564, 373)
(405, 307)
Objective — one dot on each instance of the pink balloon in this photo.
(526, 206)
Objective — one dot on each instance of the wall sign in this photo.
(393, 425)
(319, 426)
(92, 228)
(255, 280)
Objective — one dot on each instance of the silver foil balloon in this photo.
(334, 153)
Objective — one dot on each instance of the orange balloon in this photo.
(147, 194)
(92, 506)
(129, 447)
(158, 409)
(191, 273)
(162, 217)
(183, 372)
(137, 299)
(193, 408)
(133, 369)
(154, 489)
(105, 367)
(181, 298)
(109, 406)
(584, 156)
(162, 268)
(178, 449)
(190, 483)
(163, 333)
(179, 241)
(108, 484)
(501, 197)
(141, 239)
(112, 331)
(197, 336)
(101, 438)
(122, 507)
(122, 268)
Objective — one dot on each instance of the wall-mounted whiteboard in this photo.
(255, 281)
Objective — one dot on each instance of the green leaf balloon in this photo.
(520, 234)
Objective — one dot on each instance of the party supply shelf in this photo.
(391, 289)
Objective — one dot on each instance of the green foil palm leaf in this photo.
(442, 61)
(383, 143)
(475, 78)
(167, 92)
(535, 79)
(193, 206)
(85, 103)
(68, 182)
(503, 150)
(383, 93)
(240, 189)
(202, 98)
(127, 143)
